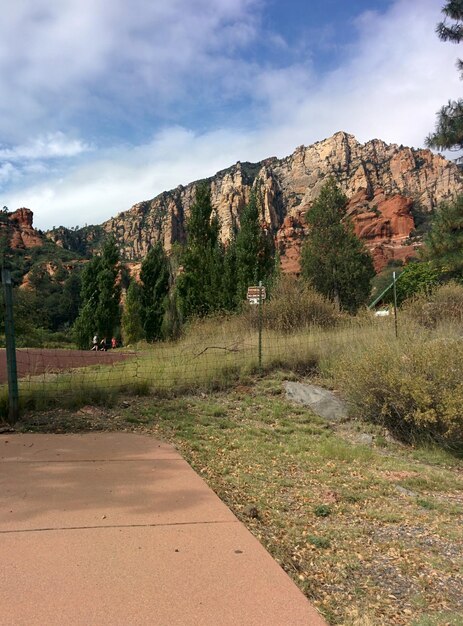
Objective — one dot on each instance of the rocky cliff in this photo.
(387, 186)
(18, 228)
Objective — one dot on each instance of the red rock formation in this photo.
(21, 233)
(384, 224)
(288, 241)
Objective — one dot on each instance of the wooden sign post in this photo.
(256, 295)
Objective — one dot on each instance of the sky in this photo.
(105, 103)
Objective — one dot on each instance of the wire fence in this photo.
(410, 384)
(212, 354)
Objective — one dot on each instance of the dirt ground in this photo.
(36, 361)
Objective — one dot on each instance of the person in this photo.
(103, 344)
(95, 343)
(113, 343)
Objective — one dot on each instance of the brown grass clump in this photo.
(443, 305)
(412, 386)
(295, 306)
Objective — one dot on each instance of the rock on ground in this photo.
(322, 401)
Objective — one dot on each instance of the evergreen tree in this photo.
(448, 133)
(229, 284)
(444, 243)
(100, 296)
(254, 249)
(334, 260)
(200, 283)
(71, 296)
(131, 323)
(154, 277)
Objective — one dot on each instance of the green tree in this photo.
(254, 249)
(334, 260)
(199, 285)
(416, 278)
(100, 296)
(448, 133)
(154, 276)
(229, 285)
(444, 243)
(131, 323)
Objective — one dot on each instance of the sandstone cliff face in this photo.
(21, 234)
(384, 184)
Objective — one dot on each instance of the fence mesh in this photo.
(410, 383)
(211, 354)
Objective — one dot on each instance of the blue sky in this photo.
(108, 102)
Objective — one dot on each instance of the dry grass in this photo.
(410, 384)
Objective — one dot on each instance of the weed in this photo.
(322, 510)
(318, 542)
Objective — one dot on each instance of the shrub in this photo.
(294, 306)
(444, 304)
(412, 387)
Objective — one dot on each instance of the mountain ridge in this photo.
(387, 185)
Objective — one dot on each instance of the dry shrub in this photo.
(294, 306)
(413, 387)
(443, 305)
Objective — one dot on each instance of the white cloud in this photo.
(393, 78)
(62, 60)
(49, 146)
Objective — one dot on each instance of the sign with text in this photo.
(253, 294)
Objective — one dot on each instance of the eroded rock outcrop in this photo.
(20, 231)
(385, 185)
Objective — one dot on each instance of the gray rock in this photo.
(322, 402)
(405, 492)
(366, 439)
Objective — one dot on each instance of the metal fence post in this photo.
(395, 305)
(260, 325)
(13, 395)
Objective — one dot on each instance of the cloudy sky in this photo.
(105, 103)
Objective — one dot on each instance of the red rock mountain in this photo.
(388, 186)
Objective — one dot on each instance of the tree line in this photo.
(208, 276)
(205, 276)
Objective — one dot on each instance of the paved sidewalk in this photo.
(114, 528)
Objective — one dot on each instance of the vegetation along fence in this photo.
(410, 384)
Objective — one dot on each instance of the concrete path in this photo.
(114, 528)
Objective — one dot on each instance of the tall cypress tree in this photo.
(154, 276)
(334, 260)
(229, 285)
(132, 329)
(254, 249)
(100, 296)
(199, 285)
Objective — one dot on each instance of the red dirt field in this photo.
(35, 361)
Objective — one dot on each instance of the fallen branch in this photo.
(232, 349)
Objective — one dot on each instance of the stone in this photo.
(366, 439)
(405, 492)
(321, 401)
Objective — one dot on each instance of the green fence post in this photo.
(13, 395)
(260, 325)
(395, 306)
